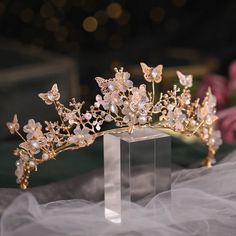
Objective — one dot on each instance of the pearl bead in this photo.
(32, 164)
(17, 163)
(45, 156)
(212, 141)
(88, 116)
(98, 127)
(193, 123)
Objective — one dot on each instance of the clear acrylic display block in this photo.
(137, 166)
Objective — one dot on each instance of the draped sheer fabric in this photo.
(202, 202)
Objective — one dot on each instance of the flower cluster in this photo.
(123, 103)
(120, 102)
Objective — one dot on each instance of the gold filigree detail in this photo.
(129, 107)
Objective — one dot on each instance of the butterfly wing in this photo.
(55, 88)
(146, 71)
(189, 81)
(43, 96)
(181, 77)
(185, 80)
(157, 73)
(103, 84)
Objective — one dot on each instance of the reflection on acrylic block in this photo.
(136, 167)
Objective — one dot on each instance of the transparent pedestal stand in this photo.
(136, 166)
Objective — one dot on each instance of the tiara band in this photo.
(127, 106)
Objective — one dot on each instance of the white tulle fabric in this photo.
(202, 202)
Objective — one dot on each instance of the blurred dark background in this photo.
(78, 27)
(100, 35)
(72, 41)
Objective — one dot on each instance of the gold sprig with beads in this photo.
(120, 102)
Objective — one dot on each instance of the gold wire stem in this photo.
(19, 134)
(195, 131)
(153, 92)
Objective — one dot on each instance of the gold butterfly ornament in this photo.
(185, 80)
(152, 74)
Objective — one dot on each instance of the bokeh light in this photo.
(58, 24)
(90, 24)
(114, 10)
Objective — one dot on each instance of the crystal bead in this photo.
(154, 73)
(142, 120)
(126, 119)
(113, 108)
(35, 144)
(82, 142)
(111, 87)
(50, 97)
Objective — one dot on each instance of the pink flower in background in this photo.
(219, 87)
(232, 76)
(227, 124)
(224, 91)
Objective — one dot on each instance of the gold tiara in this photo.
(129, 107)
